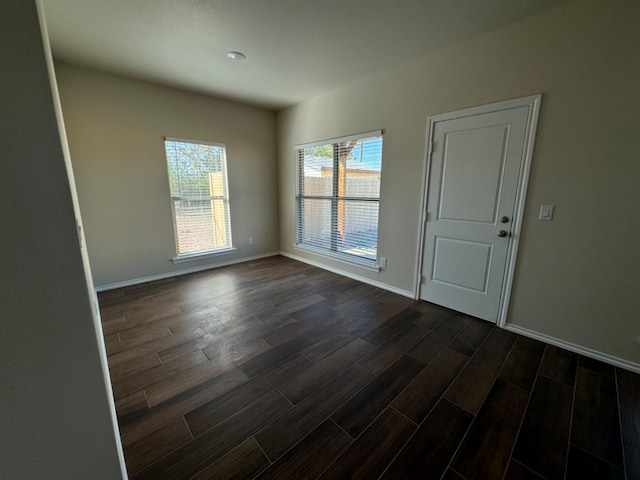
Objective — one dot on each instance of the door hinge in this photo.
(423, 279)
(433, 147)
(80, 236)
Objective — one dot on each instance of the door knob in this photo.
(502, 233)
(504, 219)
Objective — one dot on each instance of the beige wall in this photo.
(56, 419)
(576, 276)
(116, 127)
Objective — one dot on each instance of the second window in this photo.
(338, 197)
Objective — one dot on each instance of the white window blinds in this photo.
(198, 186)
(338, 197)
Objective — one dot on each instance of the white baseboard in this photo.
(177, 273)
(384, 286)
(587, 352)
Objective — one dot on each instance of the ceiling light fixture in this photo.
(236, 56)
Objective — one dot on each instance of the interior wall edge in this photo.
(95, 313)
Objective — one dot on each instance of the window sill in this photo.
(371, 266)
(191, 257)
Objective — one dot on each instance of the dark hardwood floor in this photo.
(276, 369)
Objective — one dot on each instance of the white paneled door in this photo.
(477, 173)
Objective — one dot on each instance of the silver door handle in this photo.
(502, 233)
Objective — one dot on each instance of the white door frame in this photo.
(533, 102)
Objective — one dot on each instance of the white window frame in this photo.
(200, 254)
(331, 253)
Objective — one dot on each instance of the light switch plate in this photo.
(546, 212)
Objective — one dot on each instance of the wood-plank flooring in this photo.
(276, 369)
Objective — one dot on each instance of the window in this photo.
(338, 197)
(198, 186)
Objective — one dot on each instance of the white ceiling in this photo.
(295, 49)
